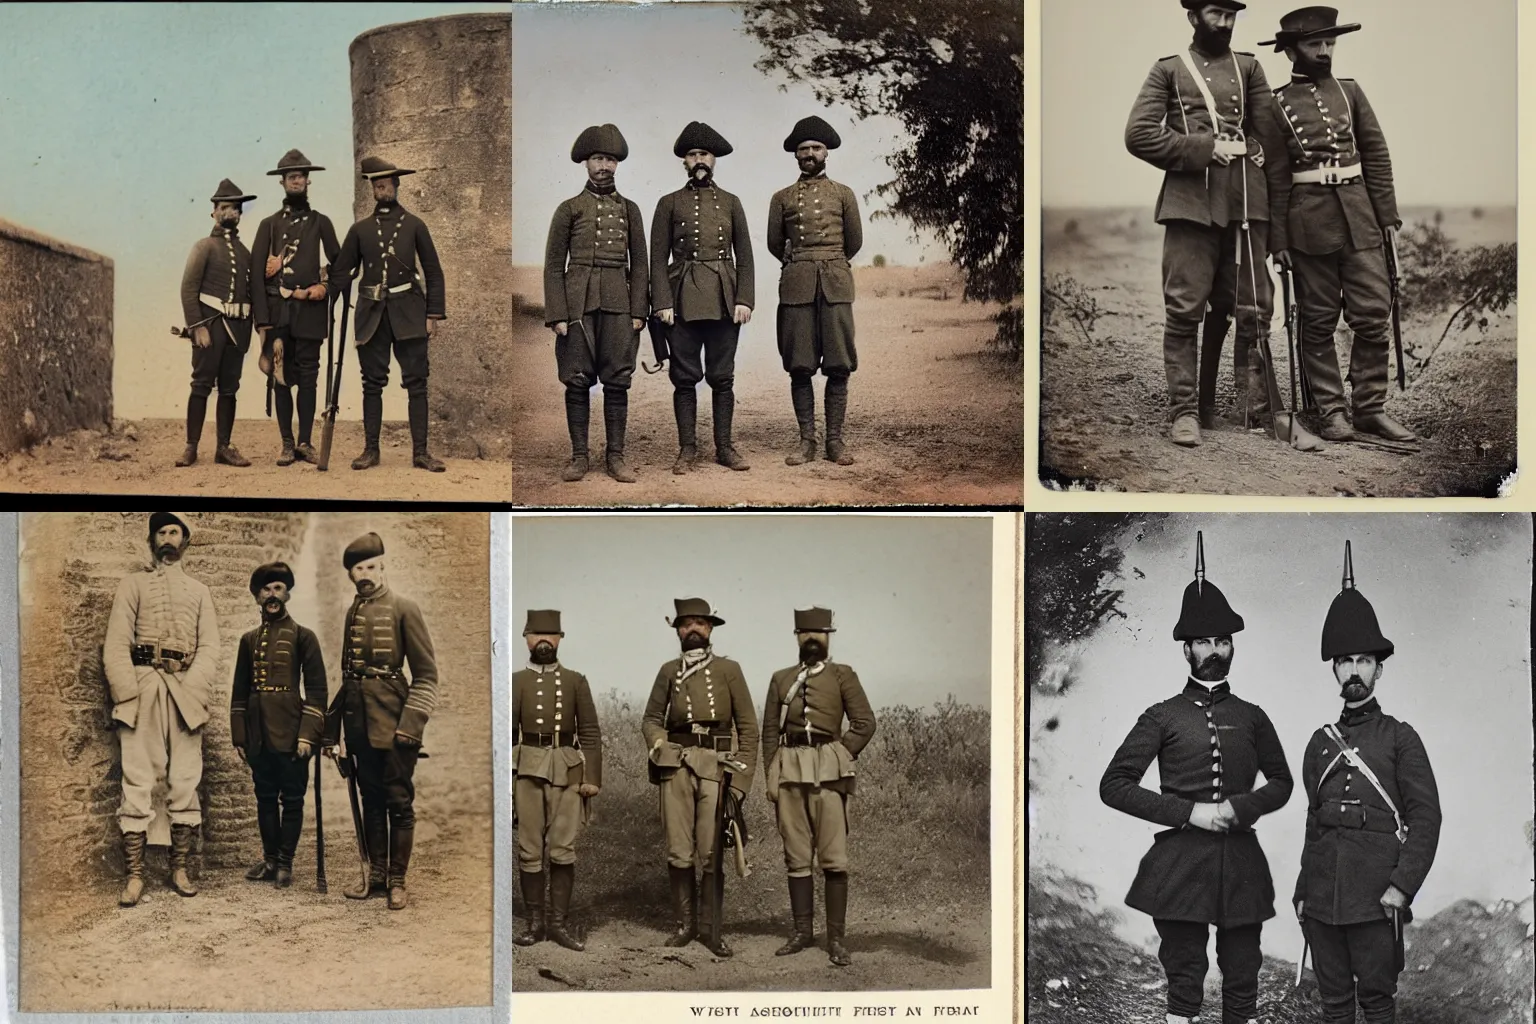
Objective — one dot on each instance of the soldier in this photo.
(699, 710)
(811, 775)
(1332, 219)
(702, 295)
(160, 657)
(558, 761)
(397, 304)
(814, 230)
(384, 713)
(289, 301)
(1204, 117)
(1208, 867)
(272, 723)
(596, 298)
(1369, 844)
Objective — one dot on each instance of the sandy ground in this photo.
(140, 458)
(933, 418)
(1103, 403)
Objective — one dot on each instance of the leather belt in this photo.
(549, 739)
(1352, 814)
(152, 654)
(714, 740)
(272, 689)
(378, 293)
(1328, 175)
(798, 738)
(232, 310)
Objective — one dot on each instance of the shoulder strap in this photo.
(1354, 759)
(789, 699)
(1205, 90)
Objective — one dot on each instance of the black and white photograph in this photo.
(1273, 182)
(851, 707)
(256, 762)
(256, 250)
(1343, 781)
(808, 215)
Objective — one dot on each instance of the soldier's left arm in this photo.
(853, 225)
(861, 717)
(432, 270)
(205, 658)
(741, 240)
(421, 701)
(639, 264)
(1375, 158)
(748, 736)
(1277, 786)
(330, 247)
(1421, 811)
(589, 731)
(1264, 110)
(312, 665)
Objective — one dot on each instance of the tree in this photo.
(1472, 282)
(952, 71)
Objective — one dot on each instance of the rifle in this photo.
(728, 769)
(186, 332)
(333, 380)
(320, 883)
(1393, 272)
(1293, 346)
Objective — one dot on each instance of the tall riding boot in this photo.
(802, 394)
(715, 940)
(802, 905)
(269, 823)
(685, 410)
(562, 878)
(533, 899)
(133, 864)
(1213, 337)
(578, 415)
(837, 916)
(373, 421)
(288, 844)
(615, 417)
(224, 416)
(197, 412)
(416, 408)
(837, 409)
(181, 850)
(306, 403)
(685, 906)
(376, 836)
(282, 399)
(724, 404)
(400, 840)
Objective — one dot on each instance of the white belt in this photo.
(1232, 147)
(233, 310)
(377, 292)
(1327, 175)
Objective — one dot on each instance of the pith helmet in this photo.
(1351, 626)
(1205, 611)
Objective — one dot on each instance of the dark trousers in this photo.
(301, 368)
(1352, 282)
(601, 348)
(281, 780)
(704, 350)
(1355, 962)
(385, 780)
(1182, 953)
(373, 359)
(220, 363)
(817, 336)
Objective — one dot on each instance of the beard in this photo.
(366, 587)
(1354, 689)
(543, 653)
(701, 174)
(1211, 670)
(812, 652)
(1322, 67)
(1215, 41)
(694, 641)
(229, 222)
(273, 608)
(168, 553)
(812, 165)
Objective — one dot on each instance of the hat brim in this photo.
(815, 629)
(536, 632)
(1231, 5)
(713, 620)
(306, 168)
(1284, 39)
(231, 199)
(397, 173)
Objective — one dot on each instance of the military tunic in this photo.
(814, 229)
(217, 284)
(297, 235)
(559, 748)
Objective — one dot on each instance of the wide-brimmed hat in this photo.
(600, 138)
(694, 607)
(272, 572)
(369, 545)
(1351, 626)
(159, 519)
(544, 622)
(813, 620)
(229, 192)
(699, 135)
(377, 167)
(1205, 611)
(1195, 5)
(293, 160)
(1308, 23)
(812, 129)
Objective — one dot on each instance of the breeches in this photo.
(1352, 282)
(1355, 961)
(704, 350)
(817, 336)
(385, 779)
(373, 358)
(813, 821)
(548, 817)
(1182, 952)
(598, 348)
(220, 363)
(688, 806)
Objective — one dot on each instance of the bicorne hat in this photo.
(604, 138)
(812, 129)
(699, 135)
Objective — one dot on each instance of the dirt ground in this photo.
(140, 458)
(1103, 403)
(933, 417)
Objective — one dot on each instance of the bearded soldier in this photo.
(160, 655)
(1332, 219)
(384, 713)
(814, 229)
(396, 308)
(215, 299)
(1373, 822)
(558, 761)
(699, 713)
(289, 301)
(273, 723)
(1207, 867)
(701, 294)
(809, 759)
(596, 298)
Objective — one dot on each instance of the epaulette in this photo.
(1242, 53)
(1171, 56)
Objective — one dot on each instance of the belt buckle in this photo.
(698, 730)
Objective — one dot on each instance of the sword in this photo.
(347, 765)
(1303, 958)
(320, 883)
(728, 769)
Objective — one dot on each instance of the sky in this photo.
(1443, 80)
(119, 120)
(1451, 591)
(911, 595)
(650, 70)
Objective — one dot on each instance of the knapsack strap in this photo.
(1354, 759)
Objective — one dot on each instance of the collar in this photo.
(600, 190)
(169, 568)
(813, 670)
(230, 233)
(695, 186)
(553, 666)
(1194, 47)
(1354, 716)
(691, 658)
(277, 621)
(381, 592)
(1200, 693)
(1297, 78)
(818, 176)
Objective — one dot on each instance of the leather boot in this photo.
(715, 940)
(724, 405)
(685, 409)
(291, 828)
(282, 400)
(224, 415)
(802, 905)
(269, 823)
(533, 899)
(1336, 427)
(373, 421)
(562, 878)
(416, 409)
(133, 864)
(837, 409)
(181, 850)
(1213, 337)
(376, 837)
(837, 916)
(802, 393)
(1185, 431)
(1379, 424)
(400, 840)
(197, 412)
(306, 406)
(286, 457)
(615, 418)
(578, 414)
(685, 906)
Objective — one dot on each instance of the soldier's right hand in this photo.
(201, 338)
(1208, 817)
(1299, 905)
(273, 266)
(330, 752)
(561, 327)
(1283, 260)
(665, 316)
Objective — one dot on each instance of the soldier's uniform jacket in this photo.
(1351, 853)
(384, 249)
(1209, 746)
(700, 229)
(1330, 123)
(713, 696)
(558, 739)
(811, 747)
(298, 234)
(595, 259)
(219, 267)
(1171, 128)
(814, 229)
(267, 710)
(384, 632)
(166, 610)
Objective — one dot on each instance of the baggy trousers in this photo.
(159, 746)
(548, 817)
(813, 820)
(1355, 962)
(1353, 282)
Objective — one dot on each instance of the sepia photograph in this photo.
(749, 197)
(775, 770)
(255, 762)
(256, 249)
(1278, 187)
(1343, 780)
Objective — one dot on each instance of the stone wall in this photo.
(436, 96)
(55, 338)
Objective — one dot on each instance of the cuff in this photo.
(413, 724)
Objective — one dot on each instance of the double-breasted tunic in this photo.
(384, 250)
(298, 236)
(558, 748)
(701, 254)
(217, 283)
(268, 708)
(814, 229)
